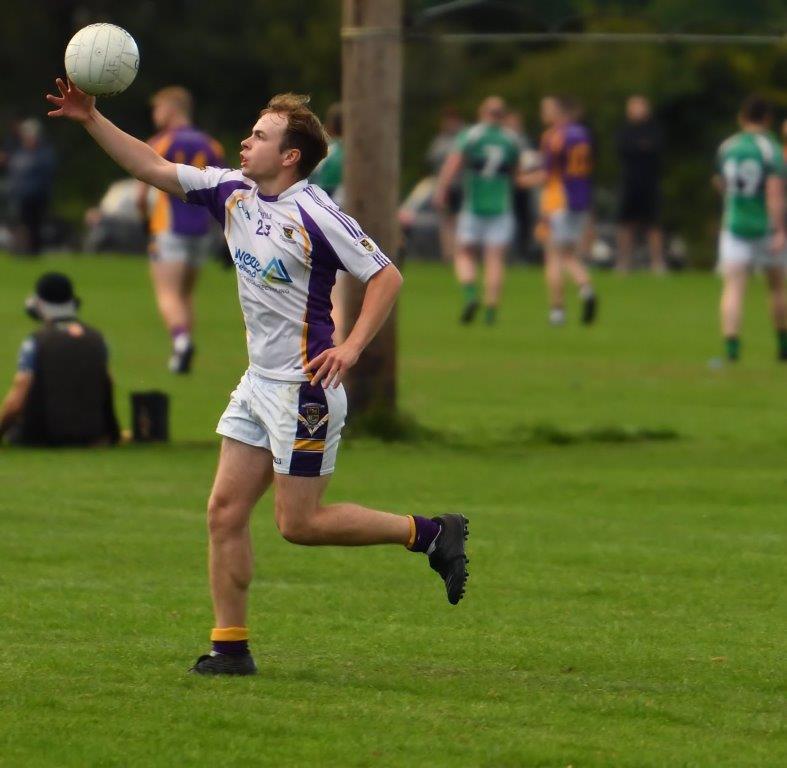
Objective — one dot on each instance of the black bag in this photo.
(150, 416)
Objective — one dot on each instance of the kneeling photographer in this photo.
(61, 394)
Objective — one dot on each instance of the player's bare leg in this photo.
(188, 286)
(494, 273)
(303, 518)
(466, 271)
(169, 285)
(553, 274)
(656, 250)
(243, 475)
(778, 301)
(625, 248)
(447, 232)
(731, 308)
(579, 273)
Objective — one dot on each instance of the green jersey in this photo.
(491, 155)
(745, 161)
(328, 174)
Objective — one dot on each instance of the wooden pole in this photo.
(371, 104)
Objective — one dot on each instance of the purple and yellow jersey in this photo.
(192, 147)
(568, 161)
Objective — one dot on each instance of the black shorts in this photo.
(639, 206)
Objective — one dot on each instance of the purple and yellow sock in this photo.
(232, 641)
(423, 533)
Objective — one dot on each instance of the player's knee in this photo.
(294, 526)
(225, 516)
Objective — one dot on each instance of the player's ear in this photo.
(292, 157)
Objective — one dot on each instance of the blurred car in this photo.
(116, 224)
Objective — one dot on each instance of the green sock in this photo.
(470, 292)
(490, 315)
(781, 336)
(732, 346)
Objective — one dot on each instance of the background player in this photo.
(751, 170)
(283, 423)
(567, 164)
(489, 154)
(179, 239)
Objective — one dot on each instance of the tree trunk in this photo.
(371, 103)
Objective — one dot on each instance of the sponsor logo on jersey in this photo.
(275, 272)
(242, 206)
(246, 262)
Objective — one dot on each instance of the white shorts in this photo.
(567, 227)
(737, 251)
(299, 424)
(171, 248)
(472, 229)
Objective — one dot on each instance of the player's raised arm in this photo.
(136, 157)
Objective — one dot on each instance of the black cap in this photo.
(54, 288)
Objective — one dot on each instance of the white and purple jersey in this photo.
(287, 249)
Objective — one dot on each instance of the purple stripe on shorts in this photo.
(325, 262)
(312, 407)
(214, 198)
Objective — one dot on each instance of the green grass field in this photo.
(626, 600)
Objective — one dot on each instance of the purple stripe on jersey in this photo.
(381, 260)
(214, 198)
(268, 198)
(325, 262)
(343, 219)
(312, 408)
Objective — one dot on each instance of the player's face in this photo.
(548, 110)
(260, 155)
(162, 113)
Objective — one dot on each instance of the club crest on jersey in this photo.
(288, 232)
(311, 417)
(367, 244)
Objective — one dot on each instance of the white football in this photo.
(102, 59)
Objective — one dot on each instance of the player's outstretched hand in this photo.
(332, 365)
(71, 103)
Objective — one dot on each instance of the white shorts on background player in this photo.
(266, 413)
(566, 228)
(472, 229)
(749, 253)
(172, 248)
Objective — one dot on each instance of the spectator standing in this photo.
(640, 147)
(31, 170)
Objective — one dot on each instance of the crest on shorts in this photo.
(311, 416)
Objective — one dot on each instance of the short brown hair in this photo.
(304, 130)
(177, 95)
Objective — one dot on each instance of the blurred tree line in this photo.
(233, 56)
